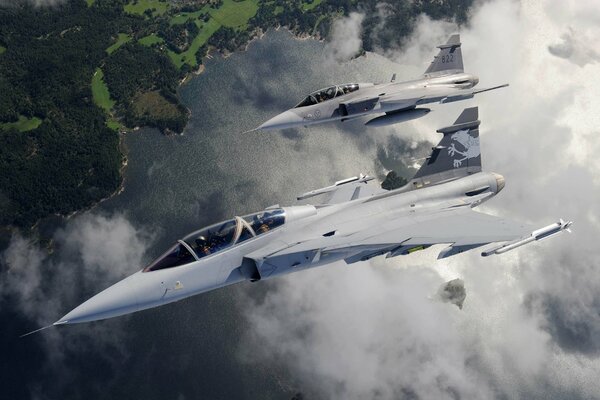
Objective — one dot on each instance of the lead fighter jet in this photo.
(443, 82)
(353, 221)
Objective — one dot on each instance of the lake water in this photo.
(213, 171)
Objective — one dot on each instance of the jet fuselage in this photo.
(393, 97)
(287, 248)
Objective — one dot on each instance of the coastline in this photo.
(259, 34)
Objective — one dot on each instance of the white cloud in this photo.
(530, 320)
(91, 253)
(35, 3)
(573, 47)
(345, 39)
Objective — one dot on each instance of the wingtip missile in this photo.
(355, 179)
(537, 235)
(466, 96)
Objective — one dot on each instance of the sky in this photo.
(530, 324)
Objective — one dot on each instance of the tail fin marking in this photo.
(449, 58)
(456, 155)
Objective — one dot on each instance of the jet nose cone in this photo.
(284, 120)
(119, 299)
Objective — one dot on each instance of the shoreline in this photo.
(258, 35)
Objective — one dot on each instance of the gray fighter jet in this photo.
(444, 81)
(354, 220)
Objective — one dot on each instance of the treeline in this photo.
(72, 159)
(134, 69)
(386, 23)
(389, 22)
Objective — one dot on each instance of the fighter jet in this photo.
(443, 82)
(352, 220)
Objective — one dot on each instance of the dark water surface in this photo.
(173, 185)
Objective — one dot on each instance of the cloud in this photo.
(345, 39)
(35, 3)
(99, 248)
(530, 323)
(401, 155)
(576, 49)
(90, 253)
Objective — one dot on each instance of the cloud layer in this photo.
(345, 38)
(530, 324)
(90, 253)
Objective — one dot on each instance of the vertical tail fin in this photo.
(456, 155)
(449, 58)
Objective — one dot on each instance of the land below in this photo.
(77, 75)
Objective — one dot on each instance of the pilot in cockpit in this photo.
(203, 246)
(266, 225)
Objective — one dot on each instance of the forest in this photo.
(77, 75)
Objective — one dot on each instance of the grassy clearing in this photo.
(278, 10)
(232, 14)
(235, 14)
(114, 125)
(23, 124)
(150, 40)
(90, 2)
(158, 7)
(100, 92)
(102, 99)
(2, 49)
(189, 56)
(121, 40)
(306, 6)
(185, 17)
(154, 105)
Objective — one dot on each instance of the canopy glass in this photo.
(218, 237)
(327, 94)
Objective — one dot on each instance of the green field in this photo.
(150, 40)
(90, 2)
(100, 92)
(154, 104)
(306, 6)
(185, 17)
(158, 7)
(189, 56)
(23, 124)
(102, 99)
(234, 14)
(121, 40)
(2, 49)
(114, 125)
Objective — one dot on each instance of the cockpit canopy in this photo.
(218, 237)
(327, 94)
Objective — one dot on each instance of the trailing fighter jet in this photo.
(352, 220)
(443, 82)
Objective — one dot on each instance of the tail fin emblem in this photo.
(469, 143)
